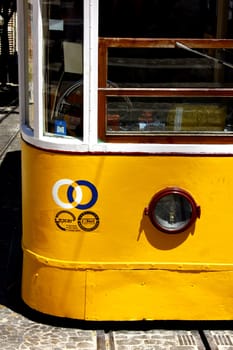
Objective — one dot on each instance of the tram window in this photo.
(149, 18)
(63, 67)
(30, 112)
(171, 67)
(155, 67)
(155, 115)
(165, 18)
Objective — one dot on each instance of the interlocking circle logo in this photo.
(74, 194)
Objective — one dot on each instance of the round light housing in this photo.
(173, 210)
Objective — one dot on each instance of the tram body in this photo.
(127, 208)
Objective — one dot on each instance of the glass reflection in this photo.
(63, 67)
(173, 211)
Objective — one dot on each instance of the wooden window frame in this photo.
(104, 91)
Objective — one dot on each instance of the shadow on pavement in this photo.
(11, 227)
(9, 95)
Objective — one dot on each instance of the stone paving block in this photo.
(19, 333)
(157, 340)
(220, 339)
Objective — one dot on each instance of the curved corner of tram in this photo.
(127, 158)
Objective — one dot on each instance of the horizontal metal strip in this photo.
(128, 265)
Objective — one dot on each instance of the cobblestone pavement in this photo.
(40, 332)
(20, 333)
(9, 130)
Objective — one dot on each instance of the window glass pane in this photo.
(162, 67)
(63, 67)
(166, 18)
(205, 64)
(150, 115)
(30, 115)
(173, 211)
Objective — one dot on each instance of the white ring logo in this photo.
(74, 194)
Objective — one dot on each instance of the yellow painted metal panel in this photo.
(125, 186)
(54, 291)
(159, 295)
(114, 231)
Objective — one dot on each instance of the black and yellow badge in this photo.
(88, 221)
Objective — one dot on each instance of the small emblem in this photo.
(88, 221)
(66, 221)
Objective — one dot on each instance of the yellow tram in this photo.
(127, 158)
